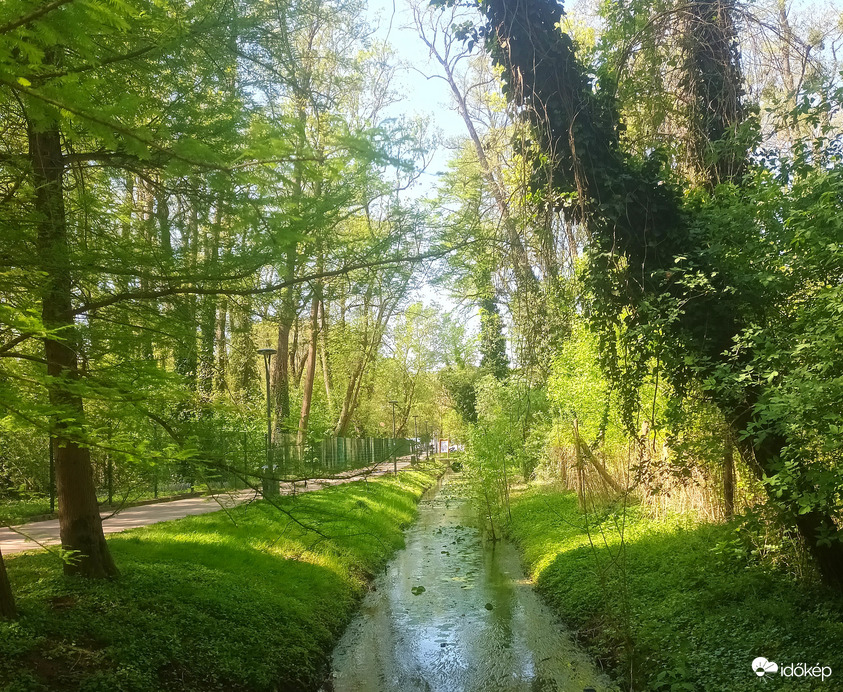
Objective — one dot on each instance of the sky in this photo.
(427, 97)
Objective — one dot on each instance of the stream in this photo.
(454, 613)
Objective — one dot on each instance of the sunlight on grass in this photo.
(207, 603)
(668, 607)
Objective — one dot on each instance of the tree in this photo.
(145, 182)
(79, 519)
(647, 252)
(7, 600)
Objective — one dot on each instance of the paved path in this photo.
(47, 532)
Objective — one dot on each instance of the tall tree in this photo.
(79, 517)
(640, 232)
(76, 118)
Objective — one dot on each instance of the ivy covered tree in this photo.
(664, 279)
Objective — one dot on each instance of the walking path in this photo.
(47, 532)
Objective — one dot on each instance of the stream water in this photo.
(454, 613)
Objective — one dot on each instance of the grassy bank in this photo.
(674, 610)
(14, 512)
(245, 600)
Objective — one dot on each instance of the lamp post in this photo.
(270, 487)
(415, 436)
(394, 458)
(52, 476)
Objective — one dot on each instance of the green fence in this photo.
(224, 460)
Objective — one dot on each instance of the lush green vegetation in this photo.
(249, 599)
(14, 512)
(673, 604)
(640, 234)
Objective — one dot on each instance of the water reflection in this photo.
(453, 613)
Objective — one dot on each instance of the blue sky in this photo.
(429, 97)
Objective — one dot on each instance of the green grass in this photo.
(670, 607)
(204, 604)
(14, 512)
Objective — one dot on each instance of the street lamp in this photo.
(268, 487)
(394, 458)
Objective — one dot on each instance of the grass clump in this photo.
(667, 607)
(14, 511)
(244, 600)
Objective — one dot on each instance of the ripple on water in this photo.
(476, 625)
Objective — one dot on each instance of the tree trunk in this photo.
(310, 369)
(208, 314)
(281, 376)
(281, 368)
(245, 377)
(186, 354)
(711, 81)
(349, 402)
(370, 345)
(221, 368)
(162, 212)
(294, 350)
(818, 529)
(79, 518)
(326, 365)
(7, 600)
(525, 277)
(728, 474)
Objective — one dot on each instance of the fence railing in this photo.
(334, 455)
(225, 460)
(235, 460)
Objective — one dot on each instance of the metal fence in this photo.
(334, 454)
(235, 460)
(224, 459)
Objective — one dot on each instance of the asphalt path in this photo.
(46, 533)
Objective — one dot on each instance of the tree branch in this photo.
(200, 290)
(32, 16)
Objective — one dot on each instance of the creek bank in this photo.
(454, 613)
(682, 606)
(240, 600)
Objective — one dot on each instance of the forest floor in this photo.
(249, 599)
(46, 533)
(682, 604)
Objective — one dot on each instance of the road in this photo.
(28, 536)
